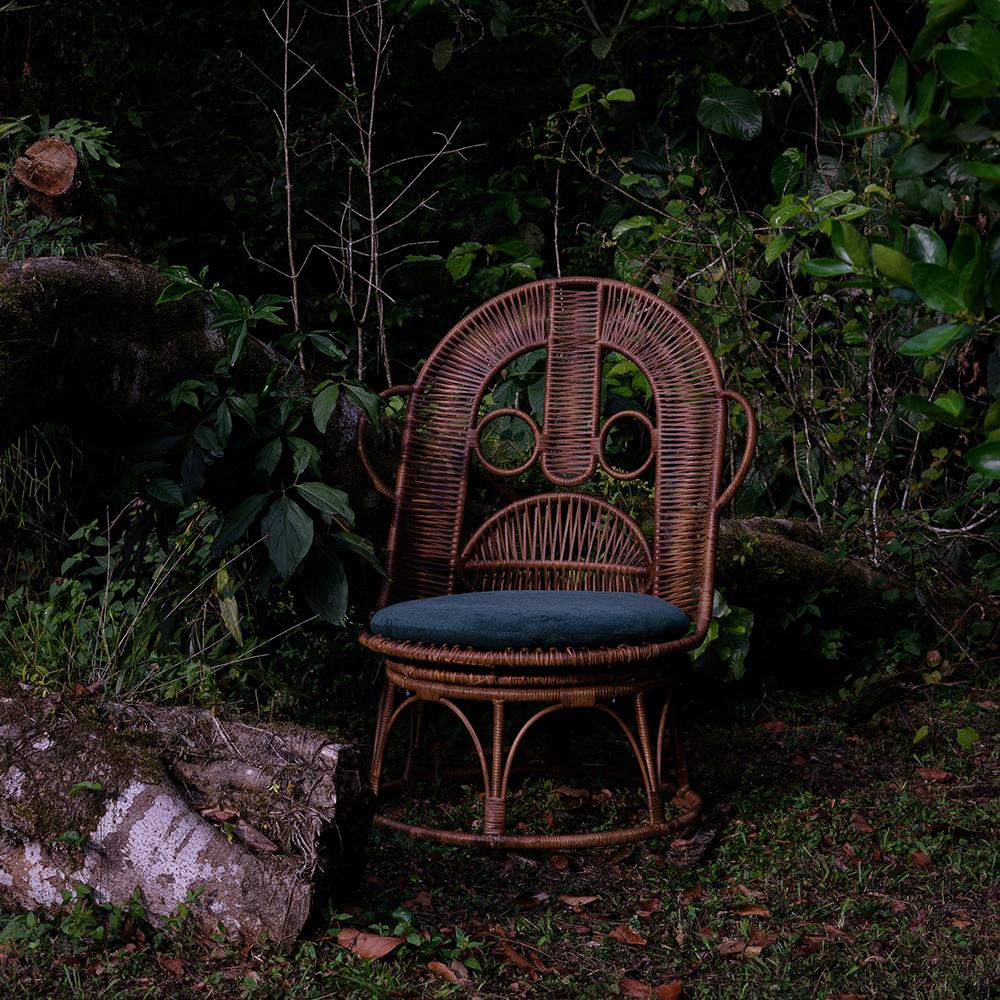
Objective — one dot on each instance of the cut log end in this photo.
(125, 798)
(47, 170)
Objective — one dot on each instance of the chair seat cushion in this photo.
(530, 619)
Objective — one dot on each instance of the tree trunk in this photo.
(251, 825)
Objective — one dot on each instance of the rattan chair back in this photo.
(563, 539)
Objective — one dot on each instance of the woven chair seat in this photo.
(532, 619)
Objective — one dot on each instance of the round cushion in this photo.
(530, 619)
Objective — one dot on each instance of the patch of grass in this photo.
(854, 862)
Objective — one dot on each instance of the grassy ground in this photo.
(852, 863)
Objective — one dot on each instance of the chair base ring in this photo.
(557, 842)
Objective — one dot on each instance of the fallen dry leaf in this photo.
(694, 892)
(731, 946)
(669, 991)
(367, 945)
(920, 859)
(421, 901)
(755, 910)
(961, 922)
(572, 793)
(509, 954)
(862, 824)
(172, 965)
(798, 760)
(220, 813)
(576, 903)
(635, 988)
(834, 933)
(626, 935)
(442, 970)
(647, 907)
(559, 861)
(749, 893)
(934, 774)
(759, 940)
(774, 726)
(252, 837)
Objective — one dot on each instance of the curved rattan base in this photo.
(556, 842)
(618, 695)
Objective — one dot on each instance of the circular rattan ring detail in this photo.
(508, 411)
(603, 440)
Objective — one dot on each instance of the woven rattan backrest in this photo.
(576, 320)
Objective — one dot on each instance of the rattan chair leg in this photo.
(495, 803)
(650, 760)
(386, 704)
(412, 767)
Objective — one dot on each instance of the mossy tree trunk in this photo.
(252, 826)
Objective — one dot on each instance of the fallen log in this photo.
(251, 825)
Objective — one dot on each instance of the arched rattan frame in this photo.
(560, 539)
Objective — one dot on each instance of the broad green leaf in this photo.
(894, 265)
(849, 245)
(785, 170)
(825, 267)
(939, 288)
(923, 100)
(269, 456)
(967, 736)
(164, 491)
(442, 53)
(960, 67)
(288, 534)
(953, 403)
(939, 18)
(935, 340)
(967, 247)
(578, 99)
(350, 542)
(917, 160)
(327, 500)
(984, 171)
(833, 52)
(324, 586)
(930, 408)
(621, 94)
(925, 245)
(366, 400)
(984, 44)
(304, 454)
(971, 286)
(985, 459)
(777, 247)
(237, 522)
(600, 46)
(896, 84)
(833, 200)
(323, 406)
(731, 111)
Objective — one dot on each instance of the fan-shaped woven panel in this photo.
(576, 320)
(558, 541)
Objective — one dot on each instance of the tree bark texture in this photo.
(251, 825)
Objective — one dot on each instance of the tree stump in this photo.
(251, 825)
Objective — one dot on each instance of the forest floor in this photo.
(839, 859)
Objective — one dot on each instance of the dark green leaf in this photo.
(833, 52)
(938, 20)
(777, 247)
(600, 46)
(304, 455)
(923, 100)
(896, 84)
(925, 245)
(327, 500)
(894, 265)
(442, 53)
(621, 94)
(916, 161)
(825, 267)
(984, 171)
(365, 399)
(785, 170)
(967, 247)
(288, 532)
(269, 456)
(985, 459)
(849, 245)
(323, 406)
(237, 522)
(940, 288)
(935, 340)
(350, 542)
(324, 586)
(165, 491)
(944, 414)
(961, 67)
(731, 111)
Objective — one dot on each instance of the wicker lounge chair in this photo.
(558, 600)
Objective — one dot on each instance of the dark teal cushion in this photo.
(529, 619)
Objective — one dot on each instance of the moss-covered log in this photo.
(251, 825)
